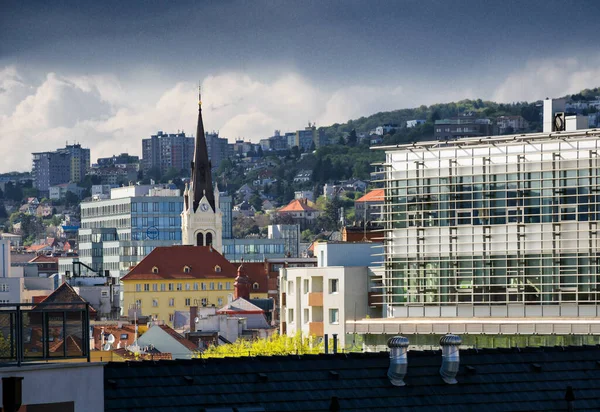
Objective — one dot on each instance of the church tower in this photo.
(201, 219)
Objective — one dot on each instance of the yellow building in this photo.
(174, 278)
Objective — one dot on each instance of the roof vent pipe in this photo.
(450, 358)
(398, 361)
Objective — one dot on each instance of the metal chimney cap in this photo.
(398, 342)
(450, 340)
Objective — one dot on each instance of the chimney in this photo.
(450, 358)
(398, 360)
(193, 316)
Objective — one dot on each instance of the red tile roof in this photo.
(298, 205)
(172, 260)
(44, 259)
(257, 274)
(376, 195)
(116, 331)
(185, 342)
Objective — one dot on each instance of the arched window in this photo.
(155, 269)
(255, 286)
(199, 239)
(217, 269)
(208, 239)
(186, 269)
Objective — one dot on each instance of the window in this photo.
(154, 303)
(220, 301)
(104, 293)
(203, 286)
(212, 285)
(163, 287)
(171, 316)
(195, 286)
(290, 287)
(220, 286)
(170, 287)
(155, 207)
(255, 286)
(228, 285)
(179, 286)
(124, 336)
(187, 286)
(155, 287)
(333, 285)
(144, 207)
(138, 287)
(171, 302)
(134, 207)
(306, 315)
(290, 315)
(334, 316)
(204, 301)
(305, 286)
(138, 303)
(186, 269)
(172, 207)
(218, 269)
(155, 269)
(187, 301)
(146, 287)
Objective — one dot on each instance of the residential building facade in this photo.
(462, 126)
(167, 150)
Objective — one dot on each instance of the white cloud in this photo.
(549, 78)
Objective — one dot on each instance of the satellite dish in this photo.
(106, 346)
(196, 319)
(111, 338)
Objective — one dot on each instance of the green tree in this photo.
(256, 202)
(352, 139)
(274, 345)
(71, 199)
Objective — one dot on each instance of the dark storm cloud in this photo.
(339, 40)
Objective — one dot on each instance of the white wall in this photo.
(82, 383)
(162, 341)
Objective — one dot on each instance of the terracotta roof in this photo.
(185, 342)
(376, 195)
(116, 331)
(66, 294)
(37, 248)
(298, 205)
(172, 260)
(257, 274)
(44, 259)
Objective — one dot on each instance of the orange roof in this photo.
(298, 205)
(44, 259)
(375, 195)
(116, 331)
(172, 260)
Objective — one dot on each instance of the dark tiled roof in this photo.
(530, 379)
(66, 294)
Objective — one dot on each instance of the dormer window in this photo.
(187, 269)
(255, 286)
(218, 269)
(155, 269)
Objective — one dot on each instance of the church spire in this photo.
(201, 173)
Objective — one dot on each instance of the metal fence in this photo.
(44, 332)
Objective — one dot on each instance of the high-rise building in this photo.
(165, 151)
(69, 164)
(218, 149)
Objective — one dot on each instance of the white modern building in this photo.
(494, 228)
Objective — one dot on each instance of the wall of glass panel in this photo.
(493, 224)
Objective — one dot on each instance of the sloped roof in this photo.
(256, 273)
(44, 259)
(116, 331)
(66, 294)
(375, 195)
(298, 205)
(171, 332)
(523, 379)
(172, 260)
(239, 306)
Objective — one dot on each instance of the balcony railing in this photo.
(315, 299)
(32, 332)
(315, 328)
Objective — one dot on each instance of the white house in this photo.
(166, 339)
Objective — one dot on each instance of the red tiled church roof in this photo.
(170, 261)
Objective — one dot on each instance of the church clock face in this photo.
(204, 207)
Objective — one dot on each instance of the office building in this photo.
(167, 150)
(499, 232)
(117, 233)
(291, 236)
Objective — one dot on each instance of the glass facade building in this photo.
(507, 222)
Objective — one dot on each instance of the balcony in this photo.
(375, 298)
(283, 299)
(315, 299)
(315, 328)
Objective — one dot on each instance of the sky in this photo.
(108, 73)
